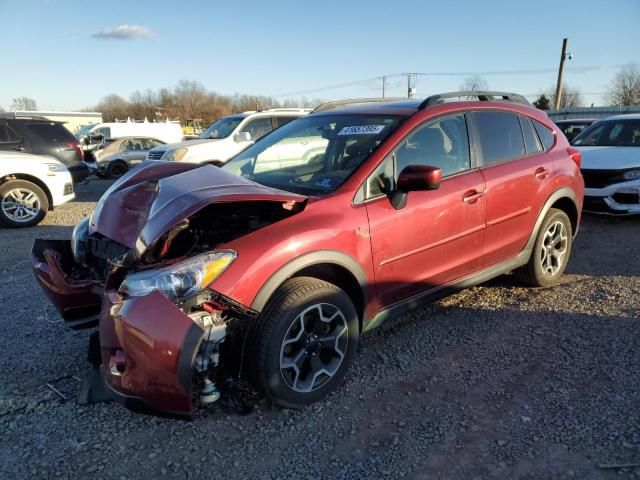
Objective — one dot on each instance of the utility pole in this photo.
(384, 79)
(410, 91)
(563, 56)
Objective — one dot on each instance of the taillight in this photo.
(76, 146)
(575, 155)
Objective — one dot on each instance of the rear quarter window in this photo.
(51, 132)
(546, 135)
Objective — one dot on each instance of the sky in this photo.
(67, 54)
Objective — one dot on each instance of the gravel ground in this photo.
(498, 381)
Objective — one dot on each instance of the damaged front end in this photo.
(141, 268)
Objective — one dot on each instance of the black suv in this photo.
(43, 137)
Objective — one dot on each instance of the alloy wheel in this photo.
(21, 205)
(314, 347)
(553, 249)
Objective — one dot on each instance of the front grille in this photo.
(627, 198)
(601, 178)
(68, 188)
(155, 155)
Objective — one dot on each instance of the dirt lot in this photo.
(498, 381)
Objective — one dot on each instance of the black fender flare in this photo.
(564, 192)
(317, 257)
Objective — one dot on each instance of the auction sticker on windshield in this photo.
(361, 130)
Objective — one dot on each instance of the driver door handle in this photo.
(472, 196)
(18, 148)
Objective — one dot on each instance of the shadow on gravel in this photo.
(91, 191)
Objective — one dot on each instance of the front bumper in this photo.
(147, 344)
(617, 199)
(148, 347)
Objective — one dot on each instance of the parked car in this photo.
(227, 137)
(43, 137)
(116, 158)
(30, 186)
(167, 132)
(574, 126)
(611, 165)
(201, 276)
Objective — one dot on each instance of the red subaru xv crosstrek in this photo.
(270, 268)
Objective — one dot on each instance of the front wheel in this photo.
(551, 251)
(305, 341)
(22, 204)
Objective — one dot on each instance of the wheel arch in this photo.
(563, 199)
(30, 178)
(331, 266)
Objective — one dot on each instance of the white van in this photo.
(227, 137)
(168, 132)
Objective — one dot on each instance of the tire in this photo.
(32, 207)
(116, 169)
(551, 251)
(279, 338)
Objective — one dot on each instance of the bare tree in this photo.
(24, 103)
(113, 107)
(542, 102)
(571, 96)
(474, 83)
(625, 89)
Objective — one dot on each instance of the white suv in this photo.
(227, 137)
(30, 186)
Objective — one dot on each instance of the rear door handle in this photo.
(19, 148)
(541, 173)
(472, 196)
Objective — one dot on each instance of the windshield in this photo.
(221, 128)
(315, 154)
(610, 133)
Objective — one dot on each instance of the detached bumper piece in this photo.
(148, 347)
(76, 298)
(619, 198)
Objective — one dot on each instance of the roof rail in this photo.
(288, 109)
(354, 101)
(483, 96)
(15, 116)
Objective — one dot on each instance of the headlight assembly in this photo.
(632, 174)
(56, 167)
(175, 155)
(79, 240)
(181, 280)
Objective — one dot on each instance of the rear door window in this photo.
(500, 136)
(531, 143)
(51, 132)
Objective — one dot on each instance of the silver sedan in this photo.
(115, 158)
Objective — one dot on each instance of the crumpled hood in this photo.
(609, 158)
(148, 201)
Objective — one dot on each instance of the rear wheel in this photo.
(22, 204)
(305, 341)
(551, 251)
(116, 169)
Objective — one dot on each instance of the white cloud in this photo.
(125, 32)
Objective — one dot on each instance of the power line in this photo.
(379, 78)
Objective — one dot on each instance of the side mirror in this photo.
(415, 178)
(242, 137)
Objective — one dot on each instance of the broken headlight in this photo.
(180, 280)
(79, 240)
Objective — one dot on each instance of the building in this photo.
(72, 120)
